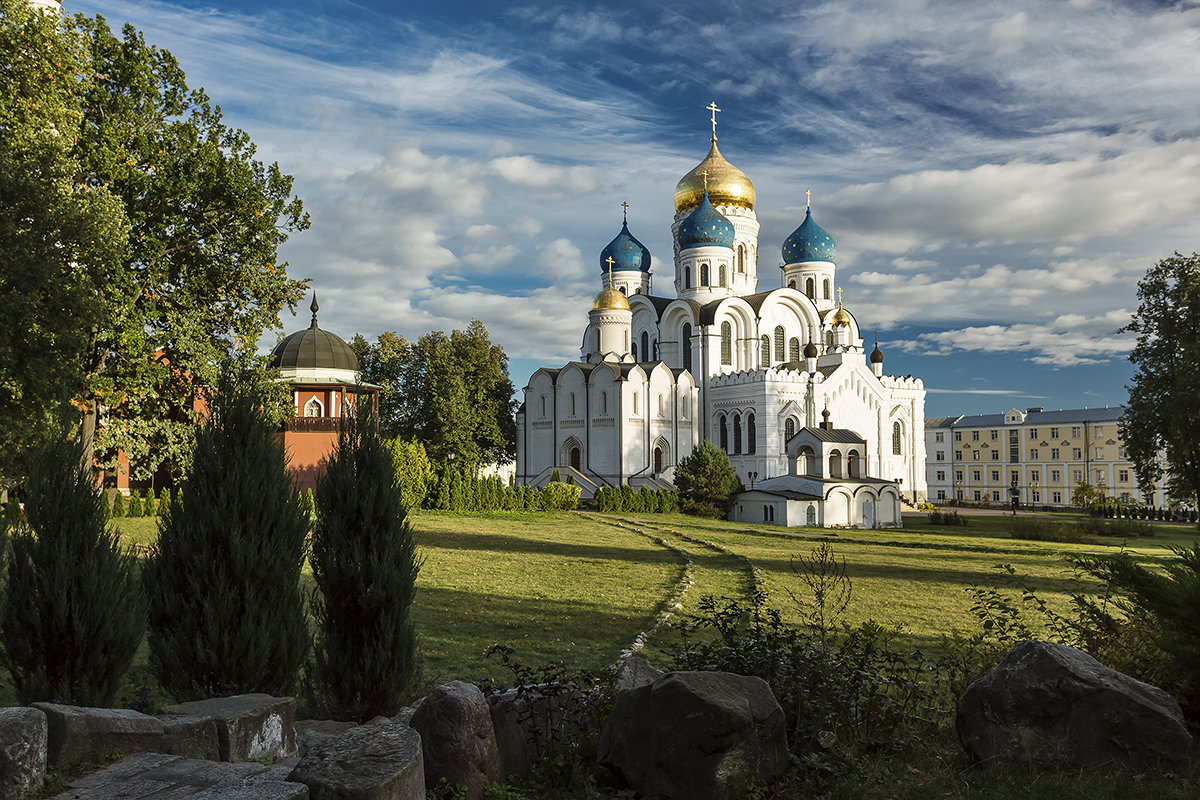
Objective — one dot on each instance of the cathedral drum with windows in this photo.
(752, 371)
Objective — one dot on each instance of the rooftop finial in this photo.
(713, 108)
(313, 307)
(625, 212)
(610, 263)
(705, 174)
(808, 198)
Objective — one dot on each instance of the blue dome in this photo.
(705, 226)
(626, 252)
(809, 242)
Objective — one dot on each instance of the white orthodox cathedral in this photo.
(779, 379)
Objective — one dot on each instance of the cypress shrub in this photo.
(554, 476)
(73, 615)
(164, 500)
(647, 500)
(135, 506)
(558, 497)
(365, 565)
(118, 505)
(226, 609)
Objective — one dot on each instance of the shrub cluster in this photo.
(1049, 530)
(947, 518)
(456, 490)
(641, 501)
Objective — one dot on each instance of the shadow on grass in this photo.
(494, 543)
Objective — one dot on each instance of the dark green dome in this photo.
(313, 348)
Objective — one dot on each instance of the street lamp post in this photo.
(753, 476)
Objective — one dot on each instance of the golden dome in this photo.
(610, 298)
(727, 185)
(841, 317)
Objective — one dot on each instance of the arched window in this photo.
(751, 435)
(835, 464)
(791, 284)
(789, 429)
(765, 514)
(658, 460)
(645, 346)
(635, 402)
(704, 274)
(772, 510)
(808, 288)
(575, 458)
(852, 464)
(660, 404)
(313, 408)
(829, 338)
(780, 342)
(793, 349)
(828, 294)
(741, 264)
(721, 274)
(726, 343)
(687, 346)
(724, 428)
(635, 358)
(604, 402)
(572, 404)
(766, 351)
(896, 438)
(687, 277)
(622, 290)
(543, 405)
(737, 434)
(811, 516)
(806, 462)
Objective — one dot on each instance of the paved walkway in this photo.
(152, 776)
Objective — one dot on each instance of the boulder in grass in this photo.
(377, 761)
(23, 741)
(696, 736)
(81, 735)
(457, 738)
(250, 727)
(530, 721)
(1051, 706)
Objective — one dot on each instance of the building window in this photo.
(604, 402)
(1033, 433)
(1099, 430)
(995, 455)
(1121, 454)
(635, 358)
(313, 408)
(995, 476)
(543, 405)
(1056, 498)
(974, 455)
(1033, 454)
(687, 277)
(808, 288)
(1099, 476)
(939, 456)
(660, 404)
(958, 436)
(958, 455)
(751, 434)
(977, 496)
(1076, 475)
(687, 346)
(721, 274)
(766, 351)
(1076, 453)
(937, 437)
(635, 402)
(941, 494)
(1099, 454)
(941, 474)
(896, 438)
(1075, 433)
(976, 475)
(1054, 433)
(704, 274)
(572, 404)
(995, 435)
(791, 284)
(741, 258)
(1035, 475)
(828, 293)
(794, 349)
(1053, 453)
(737, 434)
(726, 343)
(995, 497)
(1123, 475)
(1014, 477)
(779, 342)
(645, 346)
(974, 436)
(958, 475)
(724, 428)
(1037, 496)
(1014, 448)
(1055, 476)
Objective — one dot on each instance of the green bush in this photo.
(1124, 529)
(706, 481)
(365, 565)
(73, 615)
(1042, 530)
(414, 471)
(227, 614)
(118, 505)
(947, 518)
(164, 500)
(135, 506)
(558, 497)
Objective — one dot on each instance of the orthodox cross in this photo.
(839, 295)
(808, 198)
(705, 174)
(610, 263)
(713, 108)
(625, 211)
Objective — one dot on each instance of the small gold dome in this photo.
(610, 298)
(841, 317)
(727, 185)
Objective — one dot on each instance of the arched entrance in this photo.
(658, 460)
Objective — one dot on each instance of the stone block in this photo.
(253, 789)
(249, 726)
(314, 731)
(636, 671)
(528, 723)
(190, 737)
(23, 742)
(458, 739)
(696, 736)
(1050, 706)
(378, 761)
(89, 735)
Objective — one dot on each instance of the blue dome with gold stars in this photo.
(705, 226)
(809, 242)
(626, 252)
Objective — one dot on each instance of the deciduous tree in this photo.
(1163, 415)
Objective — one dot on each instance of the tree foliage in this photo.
(73, 613)
(706, 481)
(450, 392)
(365, 565)
(413, 471)
(176, 263)
(1163, 415)
(226, 609)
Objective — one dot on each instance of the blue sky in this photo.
(998, 176)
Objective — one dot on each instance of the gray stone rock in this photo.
(1051, 706)
(159, 776)
(378, 761)
(249, 726)
(696, 735)
(457, 738)
(527, 724)
(23, 742)
(314, 731)
(636, 671)
(89, 735)
(190, 737)
(253, 789)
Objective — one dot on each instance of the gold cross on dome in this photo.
(705, 174)
(625, 211)
(610, 263)
(713, 108)
(839, 291)
(808, 198)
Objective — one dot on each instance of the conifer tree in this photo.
(118, 506)
(164, 500)
(226, 609)
(73, 615)
(135, 506)
(365, 565)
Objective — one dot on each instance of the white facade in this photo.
(721, 360)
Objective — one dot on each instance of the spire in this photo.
(313, 307)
